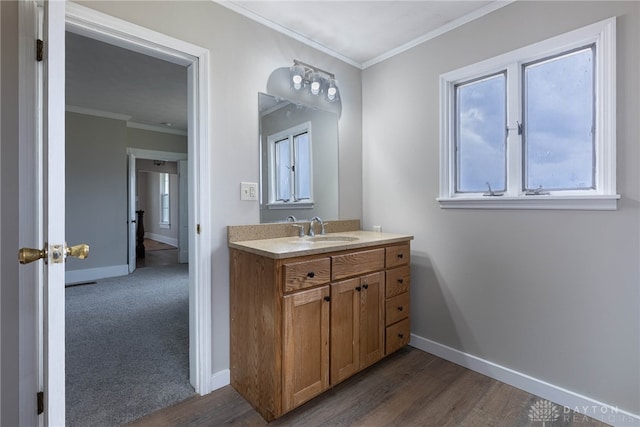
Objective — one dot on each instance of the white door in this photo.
(183, 211)
(49, 185)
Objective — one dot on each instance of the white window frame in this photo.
(271, 142)
(603, 197)
(164, 224)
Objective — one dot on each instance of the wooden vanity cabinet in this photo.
(301, 325)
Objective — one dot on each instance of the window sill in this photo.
(296, 205)
(595, 203)
(165, 225)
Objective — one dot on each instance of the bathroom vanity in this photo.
(309, 312)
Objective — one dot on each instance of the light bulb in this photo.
(297, 81)
(315, 87)
(331, 93)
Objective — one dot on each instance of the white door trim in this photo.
(96, 25)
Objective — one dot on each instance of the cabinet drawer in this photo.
(397, 336)
(397, 255)
(398, 281)
(356, 263)
(397, 308)
(305, 274)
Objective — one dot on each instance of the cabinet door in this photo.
(372, 319)
(345, 326)
(305, 355)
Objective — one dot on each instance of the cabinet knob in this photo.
(358, 288)
(400, 255)
(400, 336)
(327, 298)
(365, 286)
(401, 281)
(311, 274)
(400, 308)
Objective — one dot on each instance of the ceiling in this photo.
(152, 92)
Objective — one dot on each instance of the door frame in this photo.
(97, 25)
(134, 154)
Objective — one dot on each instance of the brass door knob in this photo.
(27, 255)
(80, 251)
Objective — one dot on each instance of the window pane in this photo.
(303, 166)
(481, 134)
(283, 170)
(559, 118)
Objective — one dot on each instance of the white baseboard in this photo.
(162, 239)
(91, 274)
(570, 400)
(220, 379)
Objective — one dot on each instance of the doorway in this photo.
(86, 22)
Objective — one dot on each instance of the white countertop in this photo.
(289, 247)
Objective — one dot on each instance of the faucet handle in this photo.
(301, 227)
(322, 230)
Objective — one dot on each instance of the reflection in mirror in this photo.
(299, 161)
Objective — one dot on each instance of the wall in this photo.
(243, 55)
(96, 189)
(10, 364)
(549, 294)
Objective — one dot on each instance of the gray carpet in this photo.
(127, 350)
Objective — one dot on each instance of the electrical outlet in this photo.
(248, 191)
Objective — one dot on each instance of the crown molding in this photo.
(154, 128)
(97, 113)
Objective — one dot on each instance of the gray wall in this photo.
(11, 366)
(243, 55)
(551, 294)
(96, 189)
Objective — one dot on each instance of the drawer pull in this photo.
(327, 299)
(400, 308)
(365, 286)
(400, 336)
(401, 281)
(358, 288)
(400, 255)
(311, 274)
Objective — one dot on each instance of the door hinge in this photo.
(40, 397)
(39, 50)
(198, 229)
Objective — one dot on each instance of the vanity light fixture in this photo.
(319, 82)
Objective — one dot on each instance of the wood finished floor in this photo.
(409, 388)
(157, 257)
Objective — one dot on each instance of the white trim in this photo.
(167, 156)
(91, 23)
(153, 128)
(162, 239)
(286, 31)
(91, 274)
(220, 379)
(546, 202)
(556, 394)
(476, 14)
(97, 113)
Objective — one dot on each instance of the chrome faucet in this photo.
(322, 224)
(300, 228)
(291, 218)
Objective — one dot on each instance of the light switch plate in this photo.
(248, 191)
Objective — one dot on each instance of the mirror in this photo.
(299, 161)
